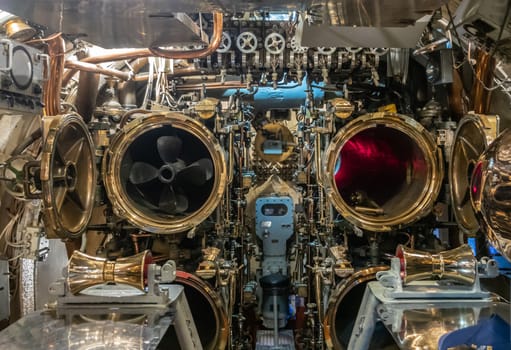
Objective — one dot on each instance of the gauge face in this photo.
(22, 69)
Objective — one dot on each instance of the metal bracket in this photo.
(119, 294)
(429, 289)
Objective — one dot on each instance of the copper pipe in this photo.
(203, 78)
(125, 117)
(86, 94)
(131, 54)
(111, 55)
(144, 77)
(218, 23)
(127, 94)
(212, 86)
(138, 64)
(92, 68)
(136, 236)
(176, 73)
(127, 89)
(160, 257)
(185, 71)
(52, 87)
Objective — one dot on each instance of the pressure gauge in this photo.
(22, 68)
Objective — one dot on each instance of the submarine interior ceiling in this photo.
(317, 174)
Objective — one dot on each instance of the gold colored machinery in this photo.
(474, 134)
(85, 271)
(207, 309)
(164, 172)
(18, 29)
(342, 108)
(490, 191)
(64, 177)
(458, 264)
(274, 143)
(207, 107)
(383, 171)
(344, 301)
(67, 175)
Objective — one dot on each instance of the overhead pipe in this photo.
(218, 24)
(127, 89)
(56, 49)
(86, 94)
(175, 73)
(131, 54)
(212, 86)
(92, 68)
(52, 87)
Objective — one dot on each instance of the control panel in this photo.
(22, 75)
(274, 226)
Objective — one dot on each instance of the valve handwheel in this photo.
(326, 50)
(379, 51)
(246, 42)
(354, 49)
(275, 43)
(225, 44)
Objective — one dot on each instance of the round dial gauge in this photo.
(22, 68)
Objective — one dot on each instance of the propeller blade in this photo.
(146, 199)
(181, 203)
(169, 148)
(168, 201)
(197, 173)
(207, 165)
(172, 203)
(142, 172)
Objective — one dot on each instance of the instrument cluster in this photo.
(263, 50)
